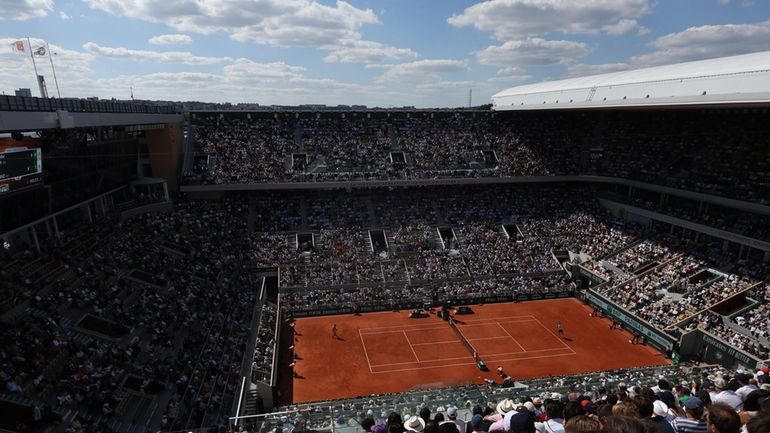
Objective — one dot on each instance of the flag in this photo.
(40, 51)
(19, 47)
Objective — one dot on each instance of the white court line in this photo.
(497, 318)
(531, 351)
(434, 342)
(365, 352)
(554, 335)
(485, 338)
(509, 334)
(468, 356)
(397, 330)
(423, 362)
(401, 327)
(476, 325)
(417, 358)
(471, 363)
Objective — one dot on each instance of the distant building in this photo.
(24, 92)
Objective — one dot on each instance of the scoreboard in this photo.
(21, 164)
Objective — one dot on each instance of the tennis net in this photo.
(462, 338)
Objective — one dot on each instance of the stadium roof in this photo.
(743, 79)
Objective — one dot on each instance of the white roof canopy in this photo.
(727, 80)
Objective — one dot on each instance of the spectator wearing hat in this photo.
(519, 422)
(451, 413)
(722, 418)
(724, 394)
(477, 424)
(503, 407)
(693, 421)
(477, 410)
(414, 424)
(661, 409)
(658, 413)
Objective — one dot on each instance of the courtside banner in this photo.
(631, 322)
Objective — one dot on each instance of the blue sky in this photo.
(425, 53)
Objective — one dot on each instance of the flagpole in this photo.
(34, 65)
(50, 56)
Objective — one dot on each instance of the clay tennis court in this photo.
(389, 352)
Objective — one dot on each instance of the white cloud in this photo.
(245, 69)
(420, 70)
(705, 42)
(515, 19)
(275, 22)
(181, 57)
(63, 15)
(175, 39)
(511, 79)
(282, 23)
(359, 51)
(510, 74)
(24, 9)
(582, 70)
(694, 43)
(534, 51)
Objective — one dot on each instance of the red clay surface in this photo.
(389, 352)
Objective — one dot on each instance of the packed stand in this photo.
(714, 324)
(433, 235)
(166, 294)
(684, 285)
(262, 365)
(720, 152)
(672, 400)
(392, 297)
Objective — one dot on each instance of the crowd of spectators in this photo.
(361, 147)
(636, 401)
(178, 284)
(714, 152)
(714, 323)
(262, 365)
(680, 286)
(434, 235)
(168, 297)
(448, 290)
(757, 320)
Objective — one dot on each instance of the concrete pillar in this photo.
(55, 227)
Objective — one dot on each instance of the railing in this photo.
(24, 103)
